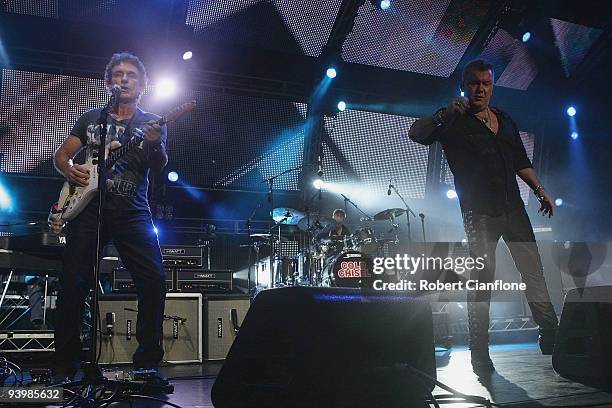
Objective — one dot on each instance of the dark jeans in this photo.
(483, 233)
(137, 244)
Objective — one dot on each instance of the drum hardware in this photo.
(408, 210)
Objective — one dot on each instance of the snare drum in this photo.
(349, 269)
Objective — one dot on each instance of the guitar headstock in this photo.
(177, 112)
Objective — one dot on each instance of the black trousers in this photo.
(483, 233)
(137, 244)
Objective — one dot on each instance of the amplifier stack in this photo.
(185, 271)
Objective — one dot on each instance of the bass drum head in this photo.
(349, 269)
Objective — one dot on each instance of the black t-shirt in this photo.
(484, 164)
(130, 173)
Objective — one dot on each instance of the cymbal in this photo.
(389, 214)
(287, 216)
(266, 237)
(315, 223)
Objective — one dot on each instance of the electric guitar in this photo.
(73, 199)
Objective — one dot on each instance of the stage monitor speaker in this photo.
(223, 316)
(182, 340)
(582, 351)
(336, 347)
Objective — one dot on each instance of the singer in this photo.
(127, 218)
(485, 153)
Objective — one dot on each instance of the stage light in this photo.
(155, 230)
(526, 36)
(571, 111)
(341, 106)
(318, 184)
(187, 55)
(6, 203)
(166, 87)
(451, 194)
(331, 73)
(574, 135)
(385, 4)
(173, 176)
(559, 202)
(462, 93)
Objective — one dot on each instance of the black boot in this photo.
(481, 361)
(478, 321)
(546, 340)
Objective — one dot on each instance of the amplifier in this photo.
(122, 280)
(182, 256)
(203, 280)
(223, 315)
(182, 340)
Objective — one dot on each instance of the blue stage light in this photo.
(331, 73)
(385, 4)
(173, 176)
(341, 106)
(6, 203)
(451, 194)
(526, 36)
(155, 230)
(559, 202)
(571, 111)
(574, 135)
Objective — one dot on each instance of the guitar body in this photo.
(73, 199)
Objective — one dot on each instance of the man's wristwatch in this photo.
(438, 117)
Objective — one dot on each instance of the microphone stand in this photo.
(408, 211)
(248, 225)
(348, 200)
(93, 377)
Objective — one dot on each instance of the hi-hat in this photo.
(389, 214)
(287, 216)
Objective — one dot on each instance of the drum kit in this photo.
(324, 259)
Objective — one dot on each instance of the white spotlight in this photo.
(166, 88)
(331, 73)
(318, 184)
(341, 106)
(451, 194)
(187, 55)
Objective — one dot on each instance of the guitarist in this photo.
(126, 219)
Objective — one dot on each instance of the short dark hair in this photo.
(125, 56)
(476, 65)
(339, 211)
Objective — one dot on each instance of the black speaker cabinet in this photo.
(319, 347)
(582, 351)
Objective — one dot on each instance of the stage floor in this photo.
(523, 379)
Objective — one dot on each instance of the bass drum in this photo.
(349, 269)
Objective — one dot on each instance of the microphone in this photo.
(320, 164)
(110, 322)
(389, 189)
(115, 92)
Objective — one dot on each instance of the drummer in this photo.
(335, 231)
